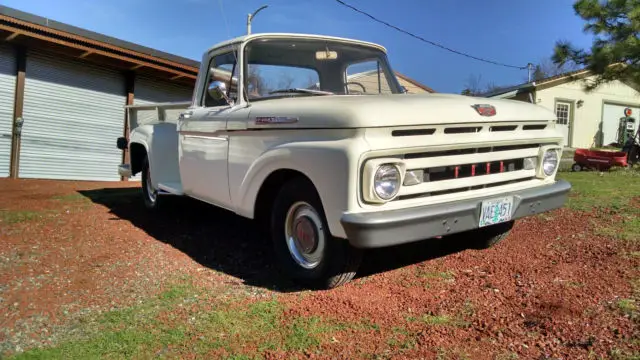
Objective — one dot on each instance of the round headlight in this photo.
(386, 182)
(550, 162)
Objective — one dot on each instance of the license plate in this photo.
(496, 211)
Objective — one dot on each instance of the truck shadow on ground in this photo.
(228, 243)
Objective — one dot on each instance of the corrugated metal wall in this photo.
(149, 90)
(73, 114)
(7, 91)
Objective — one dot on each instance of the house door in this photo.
(563, 113)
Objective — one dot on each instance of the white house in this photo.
(588, 118)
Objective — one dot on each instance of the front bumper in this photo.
(394, 227)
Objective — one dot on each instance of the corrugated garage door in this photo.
(7, 91)
(155, 91)
(611, 115)
(73, 114)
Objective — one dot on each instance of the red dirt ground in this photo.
(548, 291)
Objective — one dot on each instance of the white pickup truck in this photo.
(313, 137)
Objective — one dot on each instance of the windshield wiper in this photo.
(301, 91)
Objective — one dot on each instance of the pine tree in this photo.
(615, 52)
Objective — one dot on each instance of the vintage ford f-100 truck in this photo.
(314, 137)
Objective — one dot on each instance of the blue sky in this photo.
(514, 32)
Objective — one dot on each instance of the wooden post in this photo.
(130, 80)
(18, 107)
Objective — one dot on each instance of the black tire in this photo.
(335, 261)
(488, 237)
(149, 195)
(576, 167)
(633, 157)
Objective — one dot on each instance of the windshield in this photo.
(308, 67)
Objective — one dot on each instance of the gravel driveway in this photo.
(86, 271)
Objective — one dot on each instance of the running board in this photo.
(171, 188)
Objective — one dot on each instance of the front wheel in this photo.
(304, 247)
(485, 237)
(490, 236)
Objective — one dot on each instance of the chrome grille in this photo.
(465, 169)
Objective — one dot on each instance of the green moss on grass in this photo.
(10, 217)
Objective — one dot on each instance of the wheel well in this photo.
(138, 153)
(269, 190)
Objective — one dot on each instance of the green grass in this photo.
(14, 217)
(451, 354)
(75, 197)
(591, 189)
(608, 194)
(617, 354)
(182, 321)
(444, 275)
(444, 320)
(628, 307)
(507, 356)
(401, 339)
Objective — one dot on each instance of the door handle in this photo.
(186, 115)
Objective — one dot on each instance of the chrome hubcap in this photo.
(304, 235)
(151, 193)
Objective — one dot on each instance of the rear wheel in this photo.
(304, 247)
(576, 167)
(149, 193)
(633, 157)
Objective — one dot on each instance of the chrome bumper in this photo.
(394, 227)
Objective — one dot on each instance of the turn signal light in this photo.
(413, 177)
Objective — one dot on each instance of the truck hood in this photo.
(364, 111)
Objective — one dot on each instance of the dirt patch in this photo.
(557, 287)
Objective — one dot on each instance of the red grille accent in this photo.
(501, 166)
(473, 170)
(488, 168)
(457, 171)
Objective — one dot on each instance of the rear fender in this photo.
(161, 143)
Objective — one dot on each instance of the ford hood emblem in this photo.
(484, 109)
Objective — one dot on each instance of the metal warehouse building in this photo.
(69, 86)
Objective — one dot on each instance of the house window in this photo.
(562, 112)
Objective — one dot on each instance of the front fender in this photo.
(332, 167)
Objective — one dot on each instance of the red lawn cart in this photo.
(599, 160)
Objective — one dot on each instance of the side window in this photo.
(223, 68)
(367, 77)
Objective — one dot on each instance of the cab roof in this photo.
(246, 38)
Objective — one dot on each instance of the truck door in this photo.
(203, 141)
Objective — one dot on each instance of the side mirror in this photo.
(218, 91)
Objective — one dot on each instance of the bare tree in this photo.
(312, 82)
(256, 83)
(546, 68)
(285, 81)
(473, 85)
